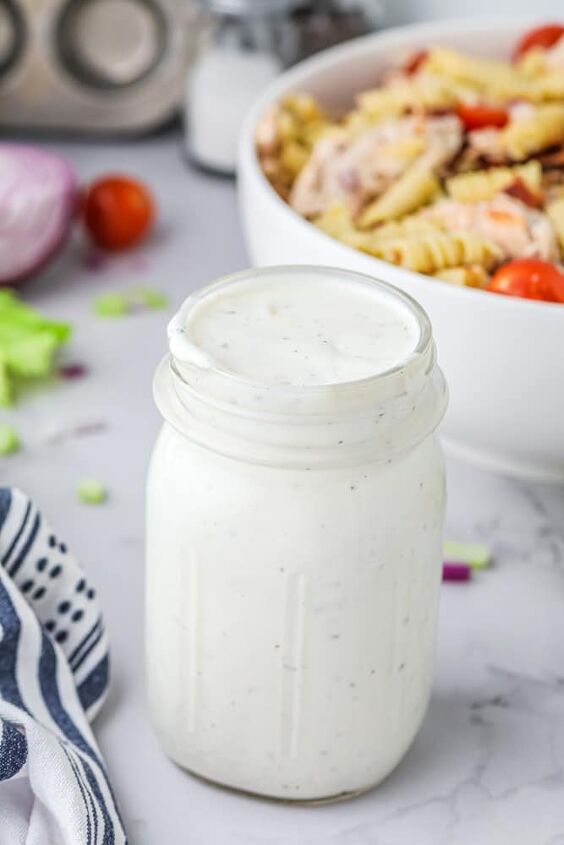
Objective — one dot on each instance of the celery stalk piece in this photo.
(6, 390)
(9, 440)
(150, 298)
(28, 343)
(111, 305)
(91, 492)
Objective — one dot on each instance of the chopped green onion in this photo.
(111, 305)
(120, 304)
(151, 298)
(9, 440)
(475, 555)
(91, 492)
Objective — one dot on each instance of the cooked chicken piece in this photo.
(521, 110)
(485, 143)
(519, 231)
(353, 170)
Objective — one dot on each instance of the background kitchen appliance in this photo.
(92, 65)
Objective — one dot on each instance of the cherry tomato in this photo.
(481, 116)
(117, 212)
(529, 278)
(557, 286)
(414, 62)
(543, 36)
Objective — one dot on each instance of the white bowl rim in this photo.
(323, 60)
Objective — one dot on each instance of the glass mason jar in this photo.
(293, 562)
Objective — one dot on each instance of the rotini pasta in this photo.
(533, 63)
(500, 80)
(555, 211)
(413, 224)
(431, 252)
(469, 275)
(547, 83)
(335, 221)
(545, 128)
(416, 187)
(485, 184)
(427, 92)
(550, 86)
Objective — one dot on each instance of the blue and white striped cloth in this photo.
(54, 788)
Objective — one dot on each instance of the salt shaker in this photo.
(243, 45)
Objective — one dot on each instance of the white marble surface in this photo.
(488, 765)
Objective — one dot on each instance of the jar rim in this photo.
(420, 351)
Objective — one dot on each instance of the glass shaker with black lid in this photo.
(242, 46)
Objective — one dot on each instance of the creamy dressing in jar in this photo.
(302, 330)
(295, 506)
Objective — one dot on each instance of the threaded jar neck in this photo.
(291, 423)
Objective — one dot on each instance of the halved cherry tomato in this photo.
(529, 278)
(557, 286)
(414, 62)
(542, 36)
(117, 211)
(481, 116)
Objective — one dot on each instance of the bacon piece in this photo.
(521, 191)
(554, 159)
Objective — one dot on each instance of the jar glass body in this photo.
(291, 615)
(293, 571)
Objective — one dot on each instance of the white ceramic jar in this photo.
(295, 507)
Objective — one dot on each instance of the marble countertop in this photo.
(488, 765)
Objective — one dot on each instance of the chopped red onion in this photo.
(72, 371)
(456, 571)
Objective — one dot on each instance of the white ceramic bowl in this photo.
(503, 357)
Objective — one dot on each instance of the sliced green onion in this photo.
(91, 492)
(150, 298)
(9, 440)
(111, 305)
(475, 555)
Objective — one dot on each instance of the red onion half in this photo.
(38, 191)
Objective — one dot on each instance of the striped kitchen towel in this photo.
(54, 788)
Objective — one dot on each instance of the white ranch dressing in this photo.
(303, 330)
(295, 507)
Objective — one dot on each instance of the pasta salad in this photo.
(453, 166)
